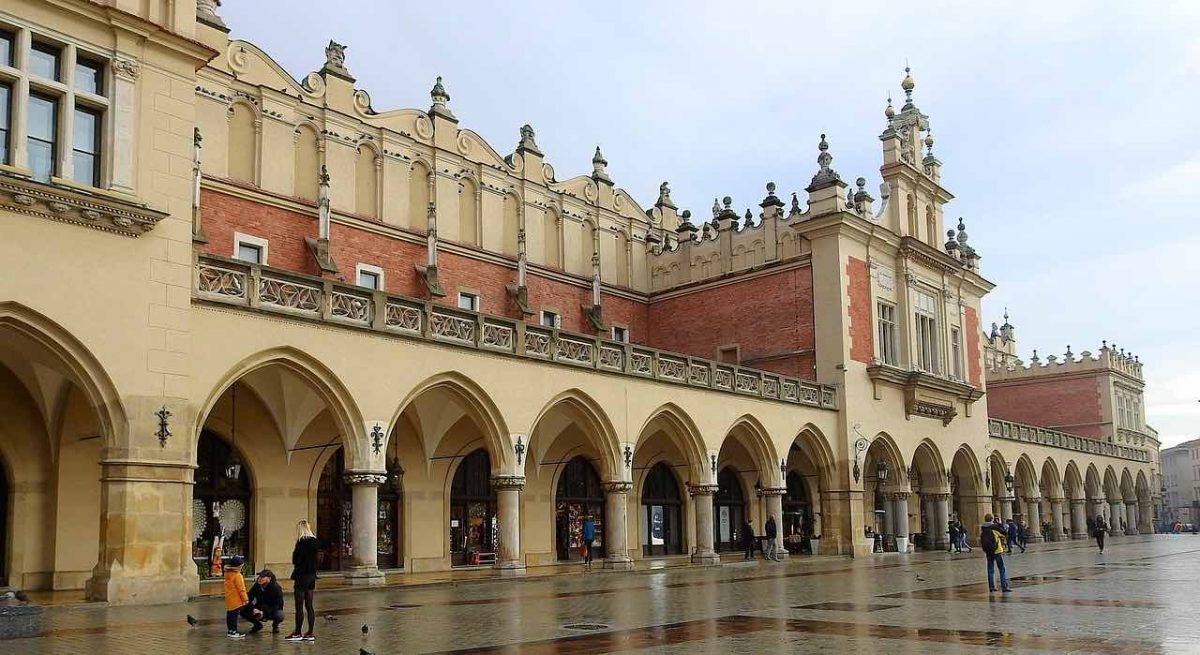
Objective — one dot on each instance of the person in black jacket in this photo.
(304, 573)
(266, 602)
(748, 540)
(770, 551)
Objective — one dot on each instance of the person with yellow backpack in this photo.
(993, 540)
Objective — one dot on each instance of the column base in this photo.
(364, 577)
(618, 563)
(141, 590)
(1034, 539)
(1078, 535)
(706, 559)
(510, 568)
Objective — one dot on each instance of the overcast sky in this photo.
(1069, 131)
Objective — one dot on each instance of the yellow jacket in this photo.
(235, 589)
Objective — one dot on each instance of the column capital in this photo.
(516, 482)
(1078, 501)
(703, 489)
(365, 478)
(773, 491)
(616, 486)
(939, 497)
(898, 495)
(1035, 499)
(1131, 503)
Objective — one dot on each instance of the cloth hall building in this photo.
(272, 300)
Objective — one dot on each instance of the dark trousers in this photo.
(1100, 539)
(750, 544)
(231, 618)
(994, 562)
(275, 617)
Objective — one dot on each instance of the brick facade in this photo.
(1069, 404)
(858, 289)
(769, 319)
(974, 367)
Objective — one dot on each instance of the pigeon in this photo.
(364, 651)
(330, 617)
(192, 621)
(920, 579)
(22, 597)
(365, 629)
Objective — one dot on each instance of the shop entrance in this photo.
(662, 529)
(335, 523)
(221, 505)
(729, 511)
(578, 495)
(473, 524)
(797, 514)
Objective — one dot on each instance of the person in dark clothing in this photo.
(266, 602)
(771, 553)
(304, 573)
(992, 538)
(952, 531)
(1100, 528)
(748, 539)
(1013, 532)
(588, 535)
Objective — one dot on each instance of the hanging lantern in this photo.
(233, 465)
(881, 471)
(1008, 481)
(395, 474)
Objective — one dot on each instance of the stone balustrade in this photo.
(999, 429)
(233, 282)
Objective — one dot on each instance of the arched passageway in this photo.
(668, 462)
(474, 520)
(660, 517)
(222, 505)
(729, 511)
(578, 496)
(335, 518)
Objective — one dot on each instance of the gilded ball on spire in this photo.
(929, 140)
(889, 112)
(908, 84)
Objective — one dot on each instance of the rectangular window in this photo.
(956, 352)
(40, 125)
(85, 167)
(927, 333)
(89, 77)
(249, 252)
(5, 121)
(6, 48)
(550, 319)
(368, 279)
(620, 334)
(468, 301)
(43, 61)
(889, 353)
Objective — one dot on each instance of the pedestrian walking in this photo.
(1022, 534)
(992, 538)
(748, 540)
(1013, 535)
(265, 602)
(772, 552)
(304, 574)
(953, 532)
(588, 535)
(235, 595)
(1101, 526)
(962, 537)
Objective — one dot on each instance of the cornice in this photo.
(58, 202)
(734, 277)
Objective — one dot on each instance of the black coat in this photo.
(268, 599)
(304, 557)
(771, 528)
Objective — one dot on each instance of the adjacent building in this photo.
(273, 300)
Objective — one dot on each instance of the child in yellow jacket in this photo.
(235, 595)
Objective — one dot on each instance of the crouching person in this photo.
(266, 602)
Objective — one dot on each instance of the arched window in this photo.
(587, 246)
(418, 196)
(661, 513)
(222, 502)
(511, 224)
(578, 495)
(307, 163)
(622, 259)
(468, 231)
(474, 529)
(931, 229)
(550, 240)
(911, 207)
(243, 143)
(366, 183)
(729, 511)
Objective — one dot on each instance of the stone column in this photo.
(508, 514)
(1079, 514)
(1131, 517)
(1006, 508)
(941, 521)
(1145, 517)
(1056, 519)
(900, 520)
(702, 505)
(145, 533)
(1033, 518)
(364, 534)
(616, 543)
(1116, 510)
(773, 498)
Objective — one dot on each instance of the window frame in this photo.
(97, 144)
(888, 332)
(240, 239)
(926, 334)
(555, 323)
(956, 352)
(369, 269)
(55, 132)
(474, 301)
(6, 121)
(624, 333)
(59, 52)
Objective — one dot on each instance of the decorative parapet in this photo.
(232, 282)
(68, 204)
(998, 429)
(1109, 358)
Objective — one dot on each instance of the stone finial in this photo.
(1034, 359)
(440, 99)
(728, 202)
(748, 219)
(795, 205)
(335, 61)
(908, 85)
(1069, 355)
(1103, 345)
(527, 142)
(889, 111)
(771, 200)
(664, 196)
(599, 164)
(716, 208)
(951, 243)
(825, 176)
(685, 222)
(206, 12)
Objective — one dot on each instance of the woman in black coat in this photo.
(304, 574)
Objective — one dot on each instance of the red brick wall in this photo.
(285, 230)
(1067, 404)
(768, 316)
(974, 367)
(858, 288)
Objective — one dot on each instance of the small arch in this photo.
(366, 181)
(478, 405)
(682, 431)
(468, 211)
(759, 446)
(242, 163)
(306, 167)
(418, 194)
(598, 428)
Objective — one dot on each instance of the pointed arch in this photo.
(338, 400)
(1051, 481)
(815, 446)
(928, 464)
(1072, 481)
(366, 181)
(242, 158)
(758, 444)
(1026, 477)
(477, 404)
(306, 166)
(598, 429)
(884, 446)
(1142, 487)
(1093, 488)
(1128, 491)
(965, 470)
(682, 431)
(1112, 487)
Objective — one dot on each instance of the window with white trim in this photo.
(550, 319)
(620, 334)
(956, 352)
(889, 352)
(368, 276)
(928, 343)
(468, 301)
(250, 249)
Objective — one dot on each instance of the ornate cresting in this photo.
(231, 282)
(1008, 430)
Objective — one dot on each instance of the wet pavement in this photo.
(1137, 597)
